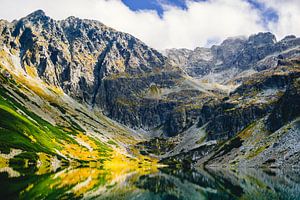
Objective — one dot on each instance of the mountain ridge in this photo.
(257, 52)
(192, 104)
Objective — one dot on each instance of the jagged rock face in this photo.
(261, 145)
(116, 73)
(287, 109)
(234, 56)
(104, 68)
(258, 123)
(138, 86)
(254, 99)
(170, 111)
(76, 54)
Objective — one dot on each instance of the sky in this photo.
(164, 24)
(156, 5)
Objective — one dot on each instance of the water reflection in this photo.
(166, 184)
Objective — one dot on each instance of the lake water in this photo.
(167, 184)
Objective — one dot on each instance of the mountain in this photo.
(45, 118)
(78, 91)
(103, 68)
(235, 57)
(257, 120)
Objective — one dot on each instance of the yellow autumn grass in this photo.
(76, 151)
(31, 71)
(44, 165)
(120, 161)
(115, 171)
(87, 140)
(3, 162)
(30, 79)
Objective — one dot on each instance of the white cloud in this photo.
(202, 22)
(288, 17)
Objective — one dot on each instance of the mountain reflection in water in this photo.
(167, 184)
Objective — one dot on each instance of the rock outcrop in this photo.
(235, 56)
(222, 91)
(101, 67)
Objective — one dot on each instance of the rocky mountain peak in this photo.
(230, 86)
(83, 23)
(262, 38)
(235, 56)
(35, 16)
(289, 37)
(233, 40)
(38, 12)
(77, 54)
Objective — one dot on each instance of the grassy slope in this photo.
(22, 129)
(45, 124)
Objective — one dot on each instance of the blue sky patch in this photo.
(268, 13)
(157, 5)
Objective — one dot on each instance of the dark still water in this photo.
(93, 183)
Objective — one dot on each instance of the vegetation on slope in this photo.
(42, 130)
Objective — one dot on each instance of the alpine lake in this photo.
(143, 184)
